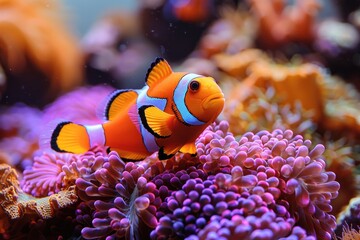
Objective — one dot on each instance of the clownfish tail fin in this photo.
(70, 137)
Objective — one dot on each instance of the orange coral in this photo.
(340, 157)
(34, 36)
(237, 64)
(15, 203)
(342, 104)
(298, 83)
(279, 23)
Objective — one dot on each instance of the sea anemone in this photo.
(341, 106)
(120, 197)
(282, 166)
(255, 109)
(237, 64)
(54, 172)
(349, 217)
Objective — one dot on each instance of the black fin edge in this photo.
(153, 64)
(113, 96)
(55, 135)
(145, 123)
(163, 156)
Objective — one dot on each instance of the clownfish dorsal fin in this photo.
(156, 121)
(189, 148)
(158, 71)
(118, 101)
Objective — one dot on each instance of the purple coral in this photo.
(53, 172)
(210, 207)
(121, 199)
(279, 167)
(274, 184)
(45, 177)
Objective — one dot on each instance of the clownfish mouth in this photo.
(214, 99)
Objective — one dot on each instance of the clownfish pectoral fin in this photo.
(189, 148)
(70, 137)
(118, 101)
(158, 70)
(128, 156)
(156, 121)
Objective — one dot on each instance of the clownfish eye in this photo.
(194, 86)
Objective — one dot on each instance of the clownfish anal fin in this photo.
(189, 148)
(163, 154)
(118, 101)
(158, 70)
(156, 121)
(128, 156)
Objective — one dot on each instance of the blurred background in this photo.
(82, 14)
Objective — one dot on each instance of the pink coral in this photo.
(121, 199)
(277, 165)
(53, 172)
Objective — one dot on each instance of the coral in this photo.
(46, 176)
(211, 207)
(120, 197)
(15, 203)
(349, 217)
(342, 103)
(250, 108)
(280, 164)
(82, 105)
(341, 158)
(275, 96)
(237, 64)
(42, 43)
(280, 24)
(351, 234)
(292, 83)
(53, 172)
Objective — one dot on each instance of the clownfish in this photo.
(166, 115)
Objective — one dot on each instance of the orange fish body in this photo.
(167, 115)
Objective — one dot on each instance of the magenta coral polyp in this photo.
(278, 167)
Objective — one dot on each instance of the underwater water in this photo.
(179, 119)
